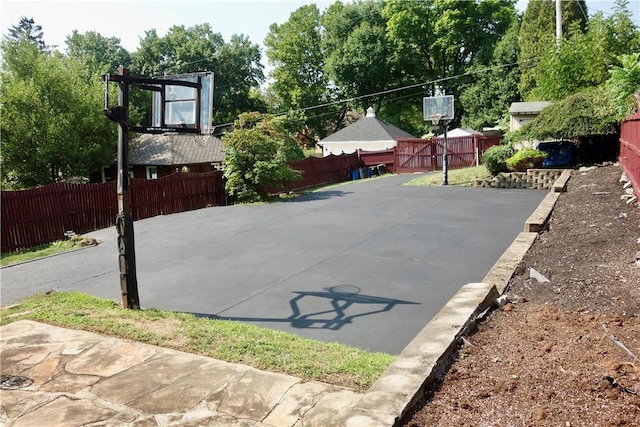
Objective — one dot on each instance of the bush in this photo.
(527, 158)
(495, 158)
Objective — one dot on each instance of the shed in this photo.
(370, 133)
(522, 113)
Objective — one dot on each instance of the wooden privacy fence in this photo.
(417, 155)
(630, 150)
(325, 170)
(383, 157)
(42, 215)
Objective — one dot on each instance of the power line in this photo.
(385, 92)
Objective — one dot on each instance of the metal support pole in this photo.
(558, 22)
(124, 220)
(445, 162)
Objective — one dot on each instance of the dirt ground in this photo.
(564, 352)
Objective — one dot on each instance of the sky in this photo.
(128, 19)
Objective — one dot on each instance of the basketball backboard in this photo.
(177, 107)
(434, 105)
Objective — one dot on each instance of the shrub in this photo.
(527, 158)
(257, 156)
(495, 158)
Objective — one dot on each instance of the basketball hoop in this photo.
(435, 118)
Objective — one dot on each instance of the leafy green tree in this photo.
(99, 54)
(257, 156)
(238, 76)
(583, 60)
(294, 49)
(358, 54)
(627, 34)
(52, 124)
(487, 100)
(567, 69)
(439, 39)
(623, 83)
(538, 35)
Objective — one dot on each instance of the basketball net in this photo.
(435, 118)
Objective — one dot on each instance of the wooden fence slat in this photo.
(629, 157)
(42, 215)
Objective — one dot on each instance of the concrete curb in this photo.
(429, 354)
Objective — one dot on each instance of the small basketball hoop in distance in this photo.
(438, 105)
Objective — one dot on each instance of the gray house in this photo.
(153, 156)
(367, 134)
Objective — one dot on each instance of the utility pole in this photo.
(558, 22)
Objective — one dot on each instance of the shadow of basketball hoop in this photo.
(341, 305)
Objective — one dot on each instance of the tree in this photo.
(624, 82)
(627, 34)
(238, 75)
(99, 54)
(583, 60)
(52, 124)
(538, 34)
(358, 55)
(436, 40)
(27, 30)
(257, 156)
(567, 69)
(299, 79)
(487, 100)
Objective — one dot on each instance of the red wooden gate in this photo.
(421, 155)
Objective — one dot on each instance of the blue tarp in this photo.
(559, 153)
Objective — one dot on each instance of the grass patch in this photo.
(460, 177)
(48, 249)
(230, 341)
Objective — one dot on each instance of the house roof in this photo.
(368, 128)
(175, 149)
(461, 132)
(528, 107)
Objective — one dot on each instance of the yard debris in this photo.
(467, 342)
(534, 274)
(615, 384)
(502, 300)
(619, 343)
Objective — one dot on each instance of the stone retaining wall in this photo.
(538, 179)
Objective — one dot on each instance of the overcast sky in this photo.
(128, 20)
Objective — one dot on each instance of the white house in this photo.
(368, 134)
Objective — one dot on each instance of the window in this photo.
(106, 173)
(152, 172)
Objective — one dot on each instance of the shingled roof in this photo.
(368, 128)
(533, 107)
(175, 149)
